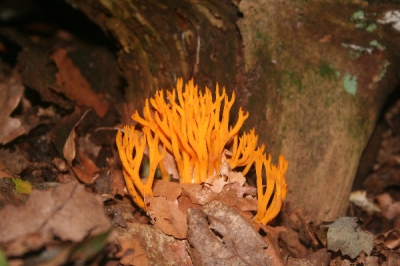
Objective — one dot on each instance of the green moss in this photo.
(327, 71)
(355, 54)
(295, 81)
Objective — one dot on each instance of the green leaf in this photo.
(3, 260)
(22, 186)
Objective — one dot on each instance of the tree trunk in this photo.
(312, 74)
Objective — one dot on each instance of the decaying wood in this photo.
(310, 77)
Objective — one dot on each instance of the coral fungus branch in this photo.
(276, 186)
(134, 142)
(190, 128)
(195, 130)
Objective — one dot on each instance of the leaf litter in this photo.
(51, 143)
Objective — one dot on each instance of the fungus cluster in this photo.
(195, 130)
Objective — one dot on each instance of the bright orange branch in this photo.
(196, 131)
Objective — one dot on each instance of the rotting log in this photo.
(313, 76)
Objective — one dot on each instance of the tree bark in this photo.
(311, 74)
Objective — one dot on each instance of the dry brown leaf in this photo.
(320, 257)
(179, 250)
(4, 171)
(290, 241)
(202, 195)
(160, 248)
(131, 253)
(229, 197)
(11, 90)
(389, 239)
(390, 208)
(198, 194)
(15, 160)
(167, 216)
(75, 86)
(69, 150)
(216, 184)
(87, 169)
(164, 209)
(169, 213)
(87, 163)
(185, 203)
(9, 194)
(392, 257)
(381, 179)
(68, 213)
(272, 238)
(170, 190)
(219, 235)
(82, 175)
(241, 191)
(118, 182)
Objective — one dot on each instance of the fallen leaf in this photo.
(167, 216)
(217, 183)
(170, 202)
(131, 253)
(86, 170)
(319, 257)
(219, 235)
(163, 209)
(180, 253)
(74, 85)
(4, 171)
(23, 187)
(291, 243)
(383, 178)
(11, 90)
(346, 235)
(230, 198)
(69, 150)
(118, 182)
(198, 194)
(241, 191)
(68, 213)
(170, 190)
(9, 195)
(390, 208)
(15, 160)
(82, 175)
(160, 248)
(389, 239)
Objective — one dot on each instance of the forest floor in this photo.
(62, 193)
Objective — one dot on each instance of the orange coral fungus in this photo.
(191, 127)
(194, 129)
(135, 142)
(276, 186)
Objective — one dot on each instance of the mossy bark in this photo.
(321, 96)
(312, 78)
